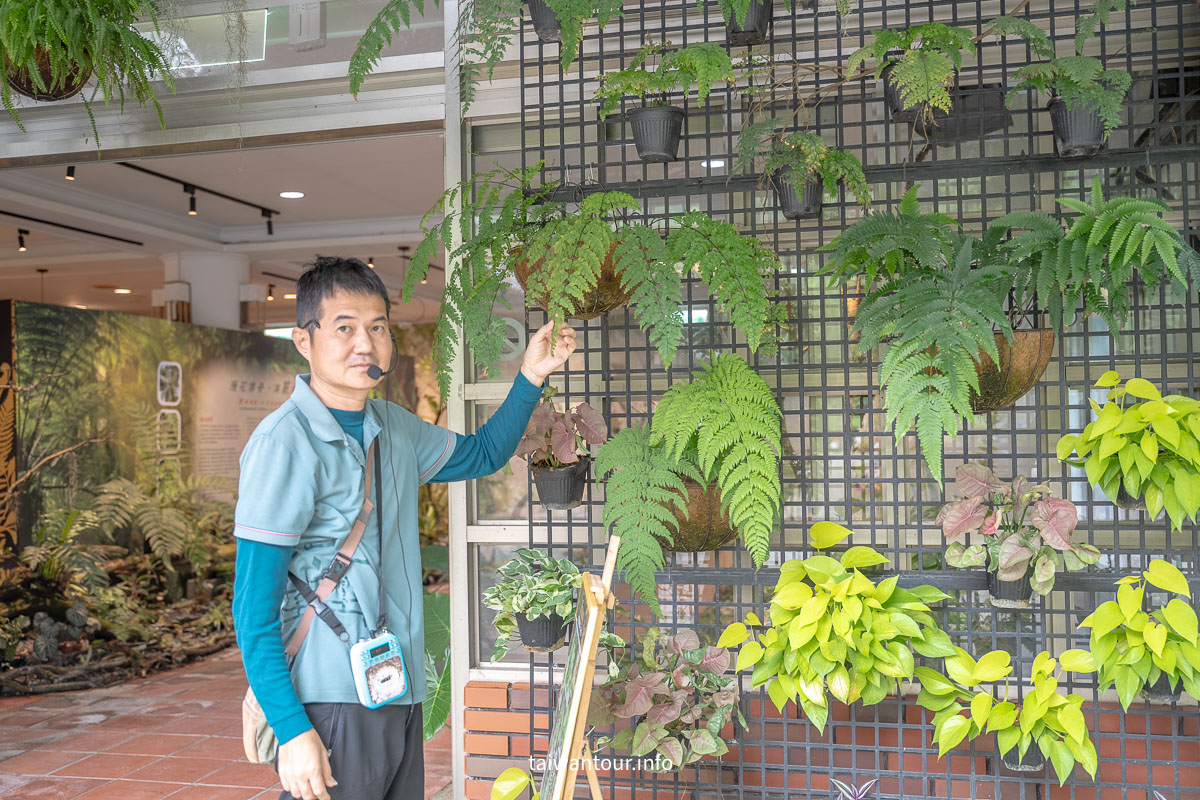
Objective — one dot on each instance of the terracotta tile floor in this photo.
(176, 734)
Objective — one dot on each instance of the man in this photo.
(302, 486)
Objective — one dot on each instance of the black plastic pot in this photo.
(1078, 131)
(758, 21)
(1009, 594)
(656, 132)
(797, 205)
(1032, 762)
(1160, 691)
(1128, 502)
(543, 634)
(974, 111)
(891, 98)
(562, 488)
(545, 24)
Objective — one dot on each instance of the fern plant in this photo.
(925, 61)
(805, 154)
(51, 45)
(501, 217)
(484, 31)
(702, 64)
(1079, 81)
(722, 428)
(58, 555)
(935, 298)
(1091, 263)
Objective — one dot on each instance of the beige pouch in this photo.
(258, 738)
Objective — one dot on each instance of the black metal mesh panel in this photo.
(840, 462)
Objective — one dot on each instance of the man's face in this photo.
(353, 335)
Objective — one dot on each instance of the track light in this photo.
(191, 190)
(270, 291)
(21, 233)
(270, 225)
(71, 172)
(371, 262)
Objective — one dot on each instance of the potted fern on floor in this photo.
(718, 435)
(802, 168)
(574, 255)
(657, 125)
(555, 444)
(52, 48)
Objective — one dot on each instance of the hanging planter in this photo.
(1078, 131)
(1021, 365)
(796, 204)
(1009, 594)
(561, 488)
(544, 634)
(1127, 501)
(891, 98)
(1032, 761)
(758, 22)
(656, 132)
(23, 82)
(1161, 693)
(545, 22)
(607, 295)
(974, 111)
(705, 526)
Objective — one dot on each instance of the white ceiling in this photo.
(362, 198)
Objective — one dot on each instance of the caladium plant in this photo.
(1026, 529)
(555, 438)
(678, 697)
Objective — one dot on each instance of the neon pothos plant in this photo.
(1025, 529)
(701, 65)
(925, 61)
(484, 31)
(54, 44)
(1134, 649)
(1149, 449)
(805, 154)
(935, 298)
(1046, 717)
(489, 222)
(831, 630)
(723, 427)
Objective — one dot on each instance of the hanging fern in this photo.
(925, 69)
(702, 64)
(728, 414)
(641, 483)
(805, 154)
(1091, 263)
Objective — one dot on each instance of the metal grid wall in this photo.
(840, 462)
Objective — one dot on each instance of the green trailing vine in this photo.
(74, 38)
(500, 218)
(805, 154)
(924, 70)
(702, 64)
(722, 428)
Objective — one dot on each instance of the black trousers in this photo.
(378, 754)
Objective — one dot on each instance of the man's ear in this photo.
(301, 337)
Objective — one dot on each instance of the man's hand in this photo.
(304, 767)
(543, 356)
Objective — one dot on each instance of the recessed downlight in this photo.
(80, 305)
(291, 195)
(122, 291)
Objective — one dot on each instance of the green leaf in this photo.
(859, 557)
(734, 635)
(1140, 387)
(1182, 619)
(1110, 378)
(992, 666)
(826, 534)
(1167, 577)
(748, 656)
(1077, 661)
(953, 731)
(510, 783)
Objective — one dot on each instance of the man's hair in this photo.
(324, 276)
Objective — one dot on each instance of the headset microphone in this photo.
(375, 373)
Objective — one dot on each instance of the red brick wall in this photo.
(498, 723)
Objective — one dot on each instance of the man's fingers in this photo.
(326, 770)
(317, 790)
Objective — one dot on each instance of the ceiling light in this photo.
(270, 291)
(122, 291)
(716, 163)
(191, 200)
(80, 305)
(270, 225)
(291, 195)
(371, 262)
(425, 280)
(71, 172)
(21, 234)
(290, 296)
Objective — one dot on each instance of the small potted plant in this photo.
(1154, 653)
(1085, 99)
(1045, 724)
(1027, 534)
(802, 167)
(918, 66)
(534, 595)
(657, 125)
(51, 49)
(1141, 454)
(716, 437)
(834, 631)
(555, 444)
(677, 698)
(848, 791)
